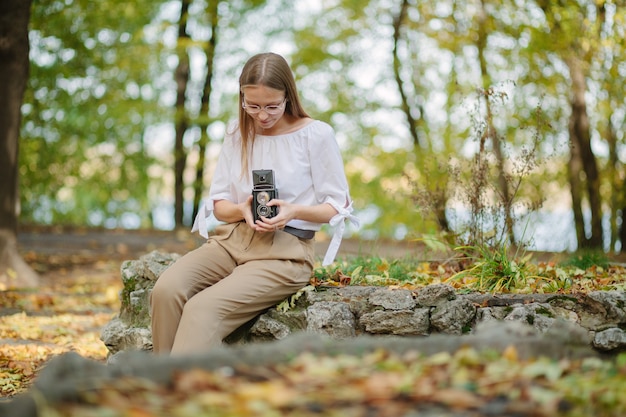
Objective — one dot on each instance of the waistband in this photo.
(301, 233)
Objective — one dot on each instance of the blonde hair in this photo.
(269, 70)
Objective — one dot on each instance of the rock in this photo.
(113, 334)
(435, 295)
(568, 332)
(610, 339)
(356, 297)
(392, 299)
(613, 303)
(345, 312)
(119, 336)
(139, 277)
(403, 322)
(266, 328)
(332, 318)
(540, 316)
(453, 317)
(491, 313)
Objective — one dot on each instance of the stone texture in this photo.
(270, 328)
(119, 336)
(331, 318)
(435, 295)
(609, 339)
(614, 303)
(454, 317)
(392, 300)
(139, 277)
(346, 312)
(397, 322)
(540, 316)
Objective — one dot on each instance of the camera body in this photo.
(263, 190)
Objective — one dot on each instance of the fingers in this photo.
(270, 224)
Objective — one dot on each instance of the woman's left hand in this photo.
(286, 213)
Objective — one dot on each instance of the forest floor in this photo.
(79, 288)
(80, 283)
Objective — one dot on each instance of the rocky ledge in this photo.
(597, 318)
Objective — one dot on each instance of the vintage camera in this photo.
(263, 190)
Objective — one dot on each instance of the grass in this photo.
(480, 269)
(586, 259)
(493, 270)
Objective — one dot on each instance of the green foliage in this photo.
(585, 259)
(494, 270)
(91, 99)
(375, 271)
(101, 88)
(484, 269)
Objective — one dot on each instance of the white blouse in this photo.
(308, 170)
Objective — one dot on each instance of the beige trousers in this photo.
(211, 291)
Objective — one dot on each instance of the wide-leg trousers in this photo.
(211, 291)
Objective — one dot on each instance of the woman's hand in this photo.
(286, 213)
(321, 213)
(229, 212)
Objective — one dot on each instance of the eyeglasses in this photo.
(271, 109)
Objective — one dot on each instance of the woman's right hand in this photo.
(246, 211)
(229, 212)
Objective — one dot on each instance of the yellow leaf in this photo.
(510, 353)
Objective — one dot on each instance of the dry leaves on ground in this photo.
(66, 313)
(380, 383)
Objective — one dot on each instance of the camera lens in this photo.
(263, 211)
(263, 197)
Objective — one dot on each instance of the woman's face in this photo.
(265, 105)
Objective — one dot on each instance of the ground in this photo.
(80, 282)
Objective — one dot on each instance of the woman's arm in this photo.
(229, 212)
(320, 213)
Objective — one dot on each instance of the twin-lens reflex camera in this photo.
(263, 190)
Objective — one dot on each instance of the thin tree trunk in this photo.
(622, 230)
(181, 123)
(491, 133)
(617, 191)
(612, 173)
(406, 107)
(574, 169)
(439, 194)
(580, 138)
(212, 10)
(14, 68)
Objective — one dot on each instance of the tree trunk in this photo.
(580, 138)
(574, 169)
(14, 67)
(612, 170)
(438, 194)
(212, 7)
(622, 230)
(182, 79)
(406, 107)
(491, 133)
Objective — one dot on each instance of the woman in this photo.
(248, 266)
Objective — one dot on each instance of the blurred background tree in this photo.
(14, 47)
(461, 117)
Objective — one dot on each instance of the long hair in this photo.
(270, 70)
